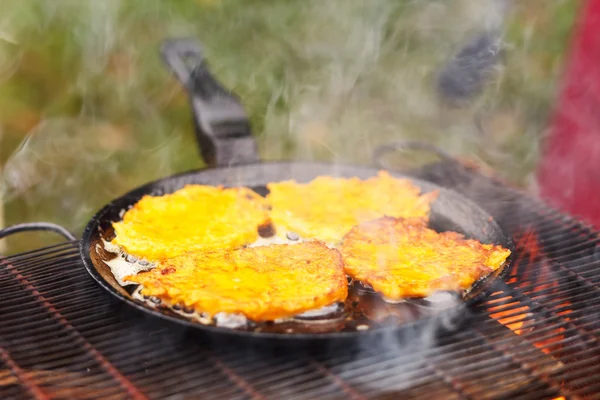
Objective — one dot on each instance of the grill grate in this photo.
(535, 337)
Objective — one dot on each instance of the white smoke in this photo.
(323, 80)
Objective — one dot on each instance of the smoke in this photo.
(59, 172)
(369, 78)
(410, 348)
(82, 110)
(88, 111)
(320, 80)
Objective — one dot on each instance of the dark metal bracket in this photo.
(222, 127)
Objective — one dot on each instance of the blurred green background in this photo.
(88, 111)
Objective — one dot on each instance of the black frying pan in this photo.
(230, 151)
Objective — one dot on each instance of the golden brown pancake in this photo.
(327, 208)
(403, 258)
(262, 283)
(196, 217)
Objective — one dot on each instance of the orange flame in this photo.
(519, 320)
(528, 243)
(516, 323)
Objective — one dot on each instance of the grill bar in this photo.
(123, 381)
(346, 388)
(20, 375)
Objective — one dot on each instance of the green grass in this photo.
(88, 110)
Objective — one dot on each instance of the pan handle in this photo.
(36, 226)
(406, 146)
(222, 127)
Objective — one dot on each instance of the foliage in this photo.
(88, 110)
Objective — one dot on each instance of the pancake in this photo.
(262, 283)
(196, 217)
(402, 258)
(327, 208)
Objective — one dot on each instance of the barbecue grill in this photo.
(534, 336)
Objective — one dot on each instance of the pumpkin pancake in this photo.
(196, 217)
(402, 258)
(327, 208)
(263, 283)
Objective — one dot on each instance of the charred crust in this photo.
(266, 230)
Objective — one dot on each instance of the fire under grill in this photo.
(536, 336)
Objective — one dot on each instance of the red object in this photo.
(569, 172)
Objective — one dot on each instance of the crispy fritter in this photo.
(327, 208)
(262, 283)
(403, 258)
(196, 217)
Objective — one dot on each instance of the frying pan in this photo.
(230, 152)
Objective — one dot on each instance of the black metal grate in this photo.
(536, 336)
